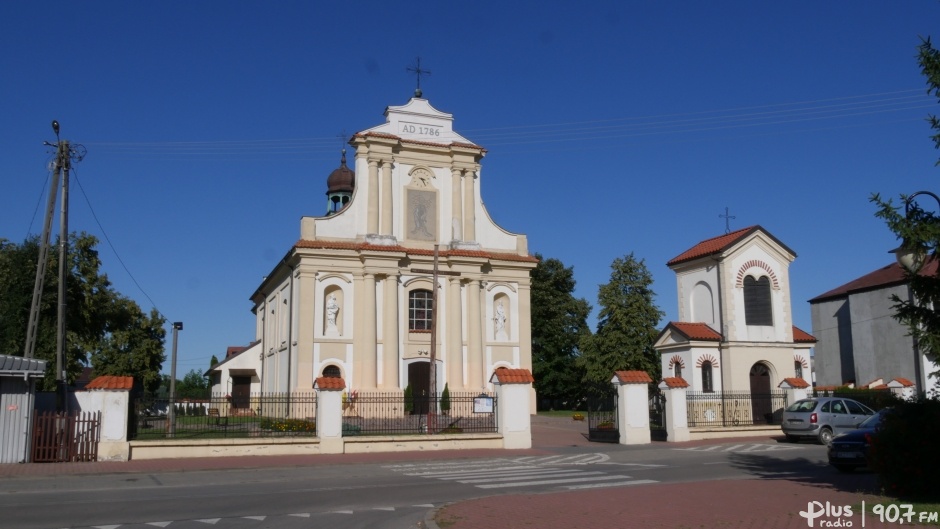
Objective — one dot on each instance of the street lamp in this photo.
(912, 255)
(177, 326)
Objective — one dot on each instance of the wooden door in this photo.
(419, 378)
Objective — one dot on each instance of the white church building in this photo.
(353, 296)
(735, 330)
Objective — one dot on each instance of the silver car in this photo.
(822, 418)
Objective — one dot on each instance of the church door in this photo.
(419, 378)
(761, 397)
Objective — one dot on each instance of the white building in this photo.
(353, 296)
(735, 330)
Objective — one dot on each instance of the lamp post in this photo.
(177, 326)
(912, 256)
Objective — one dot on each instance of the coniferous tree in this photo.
(559, 323)
(626, 328)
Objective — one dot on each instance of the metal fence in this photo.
(734, 408)
(60, 437)
(392, 413)
(219, 415)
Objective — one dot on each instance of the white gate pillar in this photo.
(633, 409)
(795, 389)
(513, 419)
(677, 419)
(330, 414)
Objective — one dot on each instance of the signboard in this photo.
(483, 404)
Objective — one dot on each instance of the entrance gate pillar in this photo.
(677, 418)
(514, 420)
(330, 414)
(794, 388)
(633, 412)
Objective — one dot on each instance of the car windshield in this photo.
(802, 405)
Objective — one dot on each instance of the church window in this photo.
(331, 372)
(678, 369)
(419, 310)
(798, 368)
(757, 306)
(707, 381)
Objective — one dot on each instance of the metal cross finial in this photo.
(727, 218)
(418, 71)
(343, 137)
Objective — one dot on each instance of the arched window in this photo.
(331, 372)
(798, 368)
(707, 384)
(678, 369)
(419, 310)
(757, 306)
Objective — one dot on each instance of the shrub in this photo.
(409, 401)
(875, 399)
(903, 451)
(288, 425)
(351, 429)
(445, 399)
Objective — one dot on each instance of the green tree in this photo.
(193, 386)
(213, 361)
(627, 325)
(920, 231)
(98, 318)
(559, 323)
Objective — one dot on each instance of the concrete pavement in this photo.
(763, 501)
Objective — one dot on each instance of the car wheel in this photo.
(825, 436)
(793, 438)
(844, 468)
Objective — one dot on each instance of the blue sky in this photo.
(612, 127)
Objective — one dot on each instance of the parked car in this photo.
(849, 450)
(822, 418)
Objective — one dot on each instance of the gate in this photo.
(657, 407)
(60, 438)
(602, 417)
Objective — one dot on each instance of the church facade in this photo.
(354, 295)
(735, 330)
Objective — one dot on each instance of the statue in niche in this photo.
(332, 309)
(500, 319)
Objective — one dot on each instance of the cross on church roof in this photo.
(418, 71)
(727, 218)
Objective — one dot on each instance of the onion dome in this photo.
(343, 179)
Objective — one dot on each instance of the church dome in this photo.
(342, 179)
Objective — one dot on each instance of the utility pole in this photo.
(171, 412)
(64, 155)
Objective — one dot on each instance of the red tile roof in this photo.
(633, 377)
(696, 331)
(505, 375)
(717, 245)
(363, 246)
(886, 276)
(903, 381)
(111, 382)
(330, 383)
(801, 336)
(795, 382)
(675, 382)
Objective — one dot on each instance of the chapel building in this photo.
(353, 296)
(735, 330)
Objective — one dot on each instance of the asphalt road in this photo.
(389, 495)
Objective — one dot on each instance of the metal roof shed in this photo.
(18, 378)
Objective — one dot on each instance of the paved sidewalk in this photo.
(764, 501)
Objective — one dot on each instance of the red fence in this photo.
(60, 438)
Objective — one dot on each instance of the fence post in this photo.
(330, 414)
(677, 418)
(633, 409)
(513, 419)
(795, 389)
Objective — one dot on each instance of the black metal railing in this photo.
(391, 413)
(734, 408)
(221, 415)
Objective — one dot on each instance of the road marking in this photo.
(159, 524)
(580, 459)
(548, 482)
(258, 518)
(529, 476)
(300, 515)
(615, 484)
(210, 521)
(740, 448)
